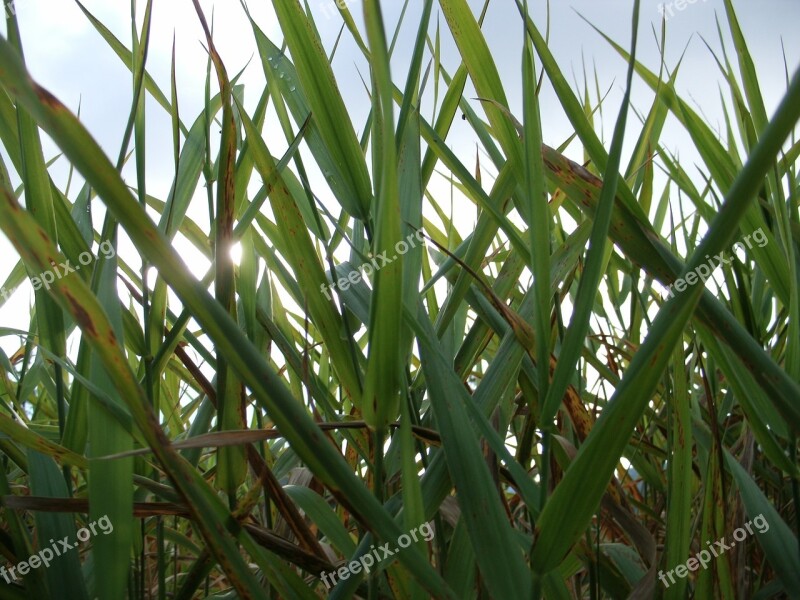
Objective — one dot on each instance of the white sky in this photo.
(66, 55)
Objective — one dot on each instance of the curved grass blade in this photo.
(570, 508)
(330, 115)
(291, 418)
(380, 398)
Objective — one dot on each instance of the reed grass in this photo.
(527, 387)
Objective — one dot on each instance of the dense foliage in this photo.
(573, 399)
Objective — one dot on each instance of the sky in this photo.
(66, 55)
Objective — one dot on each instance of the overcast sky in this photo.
(66, 55)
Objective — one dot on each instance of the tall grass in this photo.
(250, 430)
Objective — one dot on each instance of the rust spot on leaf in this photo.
(47, 98)
(83, 318)
(550, 165)
(12, 202)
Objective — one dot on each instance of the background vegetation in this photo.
(526, 386)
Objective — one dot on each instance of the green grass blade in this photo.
(499, 557)
(291, 419)
(570, 508)
(595, 256)
(330, 115)
(380, 399)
